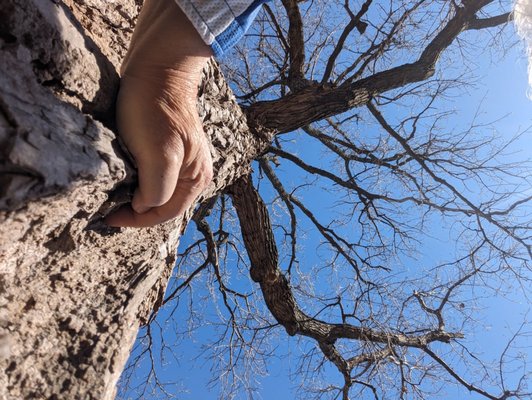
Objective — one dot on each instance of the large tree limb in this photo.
(262, 251)
(483, 23)
(260, 244)
(319, 101)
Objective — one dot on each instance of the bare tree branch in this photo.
(317, 102)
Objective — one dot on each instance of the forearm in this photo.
(165, 37)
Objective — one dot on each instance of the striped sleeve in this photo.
(221, 23)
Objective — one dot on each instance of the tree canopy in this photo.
(380, 221)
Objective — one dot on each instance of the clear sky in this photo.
(501, 89)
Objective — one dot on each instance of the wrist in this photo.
(165, 41)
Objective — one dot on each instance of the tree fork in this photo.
(262, 250)
(315, 101)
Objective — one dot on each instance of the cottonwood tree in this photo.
(363, 85)
(342, 112)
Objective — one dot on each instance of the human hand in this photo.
(157, 117)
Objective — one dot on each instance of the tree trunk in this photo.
(73, 292)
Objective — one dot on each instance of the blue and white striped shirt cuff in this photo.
(221, 23)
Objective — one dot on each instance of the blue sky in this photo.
(501, 89)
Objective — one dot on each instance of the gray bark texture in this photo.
(72, 291)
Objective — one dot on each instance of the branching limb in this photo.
(474, 208)
(285, 197)
(462, 381)
(354, 22)
(260, 245)
(316, 102)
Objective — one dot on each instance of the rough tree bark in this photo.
(73, 292)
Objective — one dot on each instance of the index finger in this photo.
(183, 197)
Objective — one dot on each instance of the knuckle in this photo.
(169, 158)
